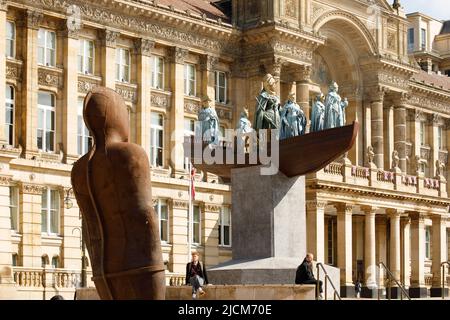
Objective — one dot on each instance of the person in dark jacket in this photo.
(305, 275)
(196, 275)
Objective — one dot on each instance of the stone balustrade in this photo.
(394, 180)
(43, 277)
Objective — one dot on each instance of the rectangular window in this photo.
(46, 48)
(225, 227)
(422, 133)
(156, 139)
(221, 87)
(86, 56)
(9, 116)
(84, 141)
(162, 214)
(122, 65)
(13, 208)
(331, 240)
(189, 130)
(50, 212)
(439, 138)
(158, 73)
(196, 225)
(190, 80)
(46, 122)
(423, 39)
(428, 242)
(10, 39)
(411, 39)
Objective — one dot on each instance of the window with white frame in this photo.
(156, 139)
(189, 131)
(428, 242)
(410, 39)
(44, 260)
(162, 213)
(195, 237)
(157, 72)
(86, 56)
(14, 208)
(50, 212)
(221, 87)
(422, 133)
(46, 122)
(423, 39)
(190, 80)
(55, 262)
(439, 138)
(122, 65)
(10, 39)
(9, 116)
(15, 259)
(225, 227)
(46, 48)
(84, 141)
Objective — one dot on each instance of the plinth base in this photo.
(418, 292)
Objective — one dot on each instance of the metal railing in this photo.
(443, 276)
(390, 279)
(327, 279)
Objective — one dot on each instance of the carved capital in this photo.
(369, 210)
(34, 19)
(394, 213)
(32, 189)
(5, 180)
(177, 204)
(401, 100)
(3, 5)
(303, 74)
(376, 94)
(144, 46)
(346, 208)
(209, 207)
(109, 38)
(316, 205)
(417, 217)
(208, 63)
(178, 55)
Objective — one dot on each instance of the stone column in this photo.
(344, 246)
(30, 87)
(439, 254)
(108, 53)
(381, 250)
(394, 249)
(315, 220)
(376, 98)
(3, 9)
(209, 233)
(303, 79)
(369, 289)
(406, 253)
(179, 236)
(435, 122)
(417, 289)
(143, 49)
(177, 57)
(30, 207)
(69, 105)
(388, 129)
(400, 135)
(207, 66)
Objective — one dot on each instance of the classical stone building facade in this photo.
(385, 201)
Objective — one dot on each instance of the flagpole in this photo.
(190, 211)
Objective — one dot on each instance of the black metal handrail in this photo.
(390, 278)
(327, 279)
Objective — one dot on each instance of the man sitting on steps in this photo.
(305, 275)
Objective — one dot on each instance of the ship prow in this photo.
(297, 156)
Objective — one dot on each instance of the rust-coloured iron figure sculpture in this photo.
(113, 189)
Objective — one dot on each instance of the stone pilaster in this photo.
(369, 289)
(439, 254)
(381, 250)
(394, 249)
(376, 103)
(406, 252)
(143, 50)
(177, 57)
(315, 220)
(30, 207)
(179, 235)
(3, 8)
(207, 66)
(5, 232)
(417, 289)
(344, 248)
(388, 139)
(400, 134)
(30, 73)
(210, 235)
(108, 53)
(274, 68)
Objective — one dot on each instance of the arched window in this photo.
(44, 260)
(55, 262)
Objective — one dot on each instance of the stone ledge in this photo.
(228, 292)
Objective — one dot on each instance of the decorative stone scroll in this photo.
(32, 189)
(50, 78)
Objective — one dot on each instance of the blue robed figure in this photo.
(293, 120)
(208, 122)
(318, 114)
(334, 108)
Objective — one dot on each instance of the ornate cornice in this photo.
(5, 180)
(177, 55)
(178, 204)
(144, 46)
(209, 207)
(32, 188)
(291, 50)
(109, 38)
(34, 19)
(160, 100)
(316, 204)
